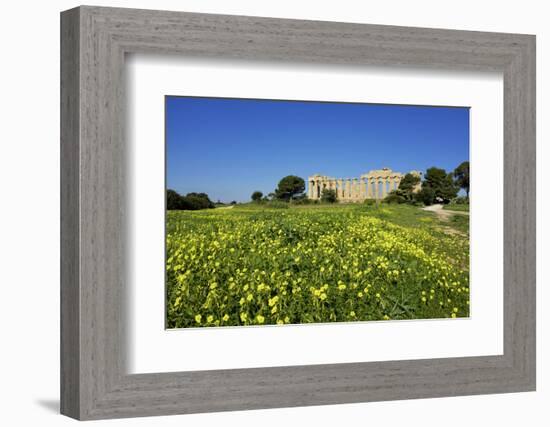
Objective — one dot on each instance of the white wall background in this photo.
(29, 236)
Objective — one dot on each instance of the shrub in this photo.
(191, 201)
(302, 201)
(173, 200)
(395, 196)
(426, 196)
(277, 204)
(328, 196)
(461, 200)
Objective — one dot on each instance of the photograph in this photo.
(285, 212)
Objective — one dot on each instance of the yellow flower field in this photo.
(261, 266)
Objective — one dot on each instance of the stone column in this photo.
(347, 189)
(384, 188)
(372, 189)
(368, 194)
(340, 193)
(362, 188)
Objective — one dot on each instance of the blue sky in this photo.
(229, 148)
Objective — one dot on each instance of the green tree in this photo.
(257, 196)
(191, 201)
(462, 176)
(406, 188)
(426, 195)
(439, 184)
(173, 200)
(289, 187)
(198, 201)
(396, 196)
(328, 196)
(409, 181)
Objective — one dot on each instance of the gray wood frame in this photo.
(94, 382)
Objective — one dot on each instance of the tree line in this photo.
(190, 202)
(438, 186)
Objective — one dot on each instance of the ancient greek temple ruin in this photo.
(373, 185)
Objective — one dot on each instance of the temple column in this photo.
(340, 193)
(348, 189)
(384, 188)
(369, 188)
(372, 187)
(362, 189)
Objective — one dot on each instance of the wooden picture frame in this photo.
(94, 382)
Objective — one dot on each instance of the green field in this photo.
(457, 207)
(252, 265)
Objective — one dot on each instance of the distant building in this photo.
(373, 185)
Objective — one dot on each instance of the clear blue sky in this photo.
(229, 148)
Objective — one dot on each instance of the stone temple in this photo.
(376, 184)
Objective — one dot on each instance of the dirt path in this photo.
(442, 213)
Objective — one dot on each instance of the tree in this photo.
(396, 196)
(426, 195)
(199, 201)
(409, 182)
(328, 196)
(406, 188)
(191, 201)
(462, 176)
(441, 185)
(289, 187)
(257, 196)
(173, 200)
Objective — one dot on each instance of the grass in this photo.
(457, 208)
(460, 223)
(253, 265)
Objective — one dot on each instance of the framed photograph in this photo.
(261, 213)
